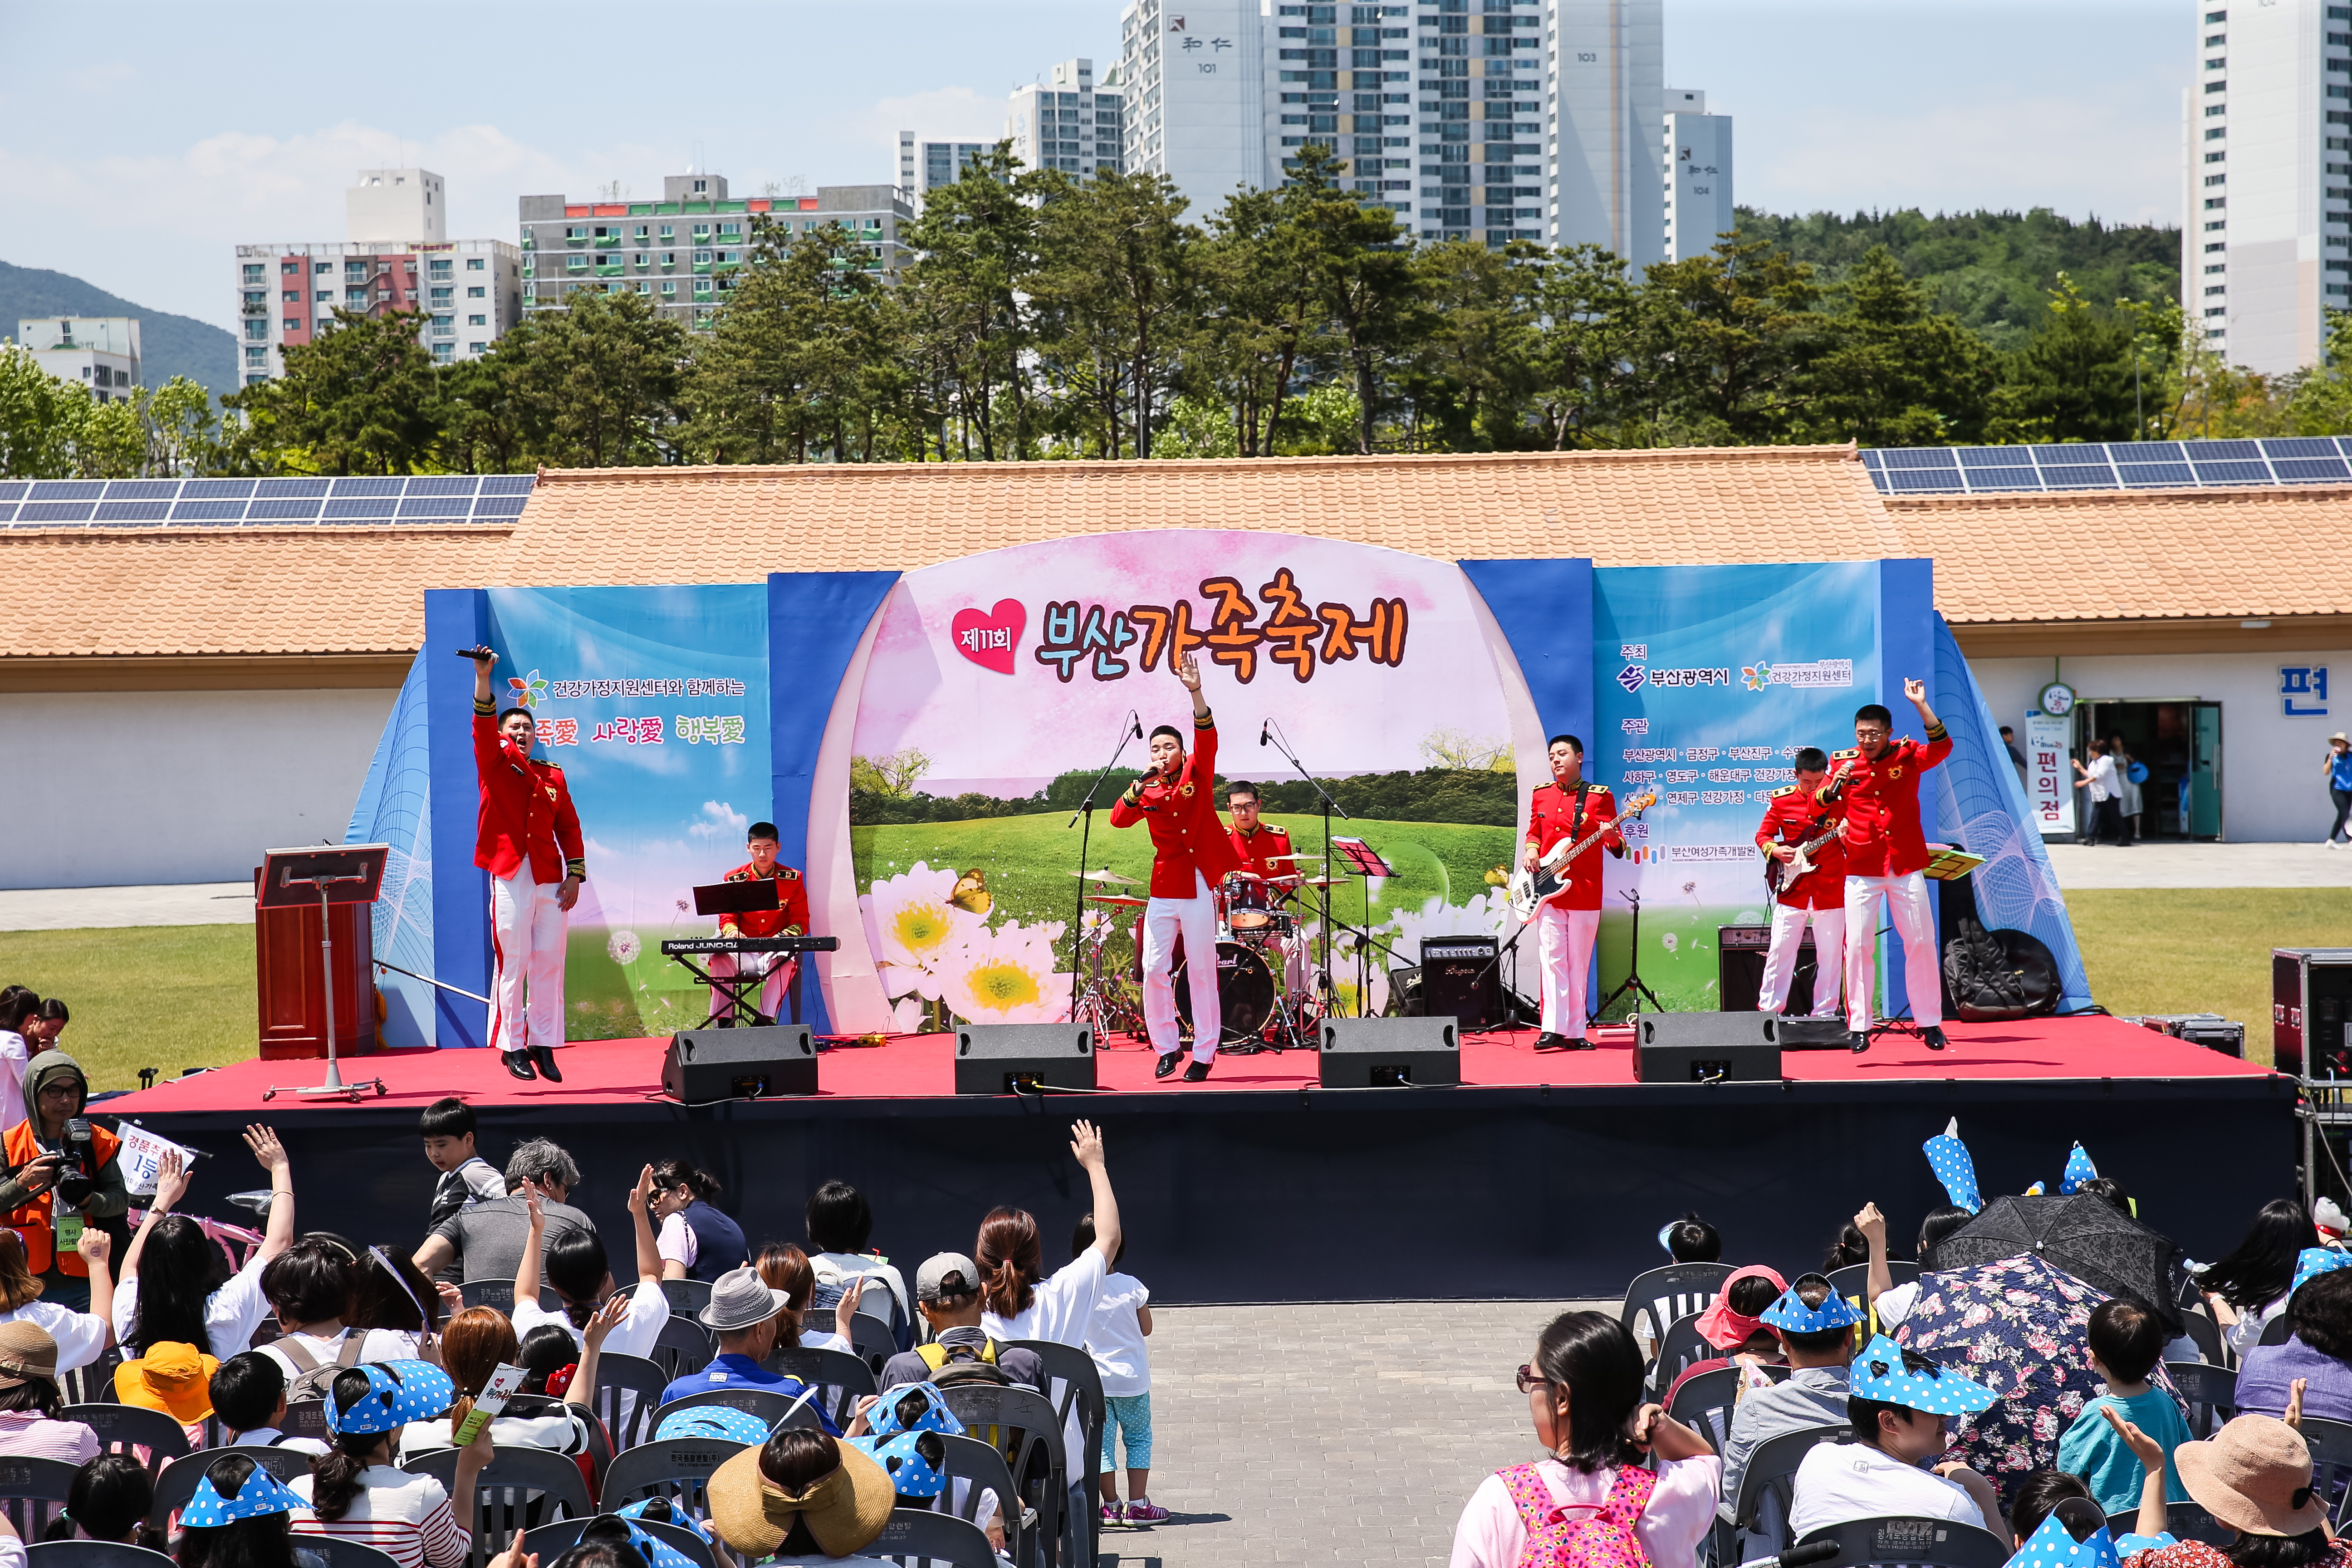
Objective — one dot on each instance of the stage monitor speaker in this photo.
(1461, 980)
(1806, 1034)
(703, 1067)
(1381, 1053)
(1705, 1047)
(1739, 969)
(1024, 1059)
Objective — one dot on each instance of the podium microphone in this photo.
(1137, 721)
(1262, 729)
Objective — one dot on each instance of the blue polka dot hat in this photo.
(1791, 1316)
(398, 1391)
(1879, 1374)
(2314, 1261)
(262, 1493)
(912, 1472)
(2054, 1546)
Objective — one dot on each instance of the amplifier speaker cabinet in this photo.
(2311, 1011)
(1705, 1047)
(1739, 968)
(706, 1065)
(1024, 1059)
(1460, 980)
(1377, 1053)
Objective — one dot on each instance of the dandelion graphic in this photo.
(528, 689)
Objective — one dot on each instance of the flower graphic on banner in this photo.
(528, 689)
(1006, 976)
(915, 927)
(1757, 677)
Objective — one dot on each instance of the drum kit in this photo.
(1270, 995)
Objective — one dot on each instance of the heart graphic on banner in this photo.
(988, 637)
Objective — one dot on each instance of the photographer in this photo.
(62, 1180)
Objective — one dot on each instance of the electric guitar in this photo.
(1530, 890)
(1780, 874)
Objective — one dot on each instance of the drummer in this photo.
(1265, 849)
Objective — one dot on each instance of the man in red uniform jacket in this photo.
(789, 918)
(1885, 853)
(1568, 809)
(1190, 853)
(1795, 818)
(1265, 849)
(528, 837)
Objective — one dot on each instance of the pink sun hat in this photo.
(1727, 1329)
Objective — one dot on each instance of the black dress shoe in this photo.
(544, 1058)
(1551, 1040)
(1934, 1035)
(1167, 1064)
(1198, 1072)
(1578, 1043)
(518, 1064)
(1857, 1041)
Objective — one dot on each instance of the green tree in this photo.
(2072, 379)
(596, 384)
(39, 419)
(358, 399)
(1261, 299)
(1730, 332)
(1476, 343)
(1888, 371)
(965, 304)
(1591, 383)
(2321, 403)
(1367, 294)
(1118, 297)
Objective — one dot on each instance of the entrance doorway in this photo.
(2179, 738)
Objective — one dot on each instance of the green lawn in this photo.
(150, 996)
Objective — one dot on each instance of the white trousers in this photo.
(779, 967)
(1196, 920)
(1564, 941)
(1914, 921)
(1780, 959)
(527, 952)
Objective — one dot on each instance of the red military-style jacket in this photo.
(526, 810)
(1793, 817)
(789, 918)
(1187, 837)
(1263, 851)
(1883, 837)
(1551, 816)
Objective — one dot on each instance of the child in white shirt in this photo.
(1115, 1336)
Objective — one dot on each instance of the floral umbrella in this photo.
(2021, 1328)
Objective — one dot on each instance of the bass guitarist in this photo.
(1802, 820)
(1567, 923)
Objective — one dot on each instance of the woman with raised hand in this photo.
(575, 1266)
(177, 1286)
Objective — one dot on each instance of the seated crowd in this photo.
(372, 1351)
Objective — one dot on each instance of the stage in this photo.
(1542, 1176)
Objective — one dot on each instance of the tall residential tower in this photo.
(1195, 100)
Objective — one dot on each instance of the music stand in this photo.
(1368, 864)
(344, 874)
(754, 896)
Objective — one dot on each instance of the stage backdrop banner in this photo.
(1710, 679)
(654, 701)
(395, 808)
(997, 686)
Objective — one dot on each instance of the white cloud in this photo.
(956, 114)
(718, 820)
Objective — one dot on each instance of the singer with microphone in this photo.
(1191, 854)
(63, 1192)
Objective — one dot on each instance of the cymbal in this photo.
(1108, 875)
(1326, 881)
(1273, 857)
(1116, 898)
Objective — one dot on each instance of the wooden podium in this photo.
(291, 991)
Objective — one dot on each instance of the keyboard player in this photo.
(789, 918)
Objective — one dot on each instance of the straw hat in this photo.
(2254, 1475)
(172, 1377)
(26, 1350)
(845, 1510)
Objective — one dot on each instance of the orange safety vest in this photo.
(34, 1222)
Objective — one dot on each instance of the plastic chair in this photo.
(1024, 1428)
(687, 1296)
(2278, 1331)
(93, 1383)
(26, 1484)
(872, 1340)
(307, 1418)
(970, 1459)
(766, 1404)
(1663, 1295)
(1071, 1377)
(343, 1552)
(677, 1468)
(1852, 1281)
(917, 1536)
(2330, 1443)
(549, 1541)
(1705, 1403)
(177, 1484)
(841, 1379)
(683, 1346)
(91, 1555)
(2210, 1391)
(2207, 1333)
(513, 1492)
(628, 1389)
(499, 1293)
(1937, 1542)
(2184, 1520)
(123, 1428)
(1770, 1473)
(1683, 1344)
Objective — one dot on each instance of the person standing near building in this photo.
(2016, 757)
(2337, 768)
(2099, 778)
(2128, 774)
(528, 837)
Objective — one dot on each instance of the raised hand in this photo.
(609, 1316)
(642, 1194)
(1086, 1144)
(1915, 692)
(2145, 1449)
(1872, 1224)
(263, 1141)
(1188, 670)
(172, 1182)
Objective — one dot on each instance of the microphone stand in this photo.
(1329, 993)
(1129, 729)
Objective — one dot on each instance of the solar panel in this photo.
(2138, 476)
(2113, 465)
(2311, 470)
(2254, 473)
(292, 502)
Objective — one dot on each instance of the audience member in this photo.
(486, 1240)
(1850, 1247)
(1815, 1326)
(1122, 1321)
(1691, 1239)
(1897, 1401)
(41, 1033)
(839, 1226)
(947, 1294)
(2112, 1191)
(742, 1312)
(2317, 1351)
(2254, 1476)
(787, 1268)
(19, 1006)
(82, 1337)
(1018, 1304)
(2249, 1287)
(175, 1379)
(248, 1395)
(56, 1153)
(1891, 1303)
(313, 1288)
(357, 1493)
(801, 1497)
(577, 1271)
(393, 1293)
(108, 1500)
(2038, 1493)
(242, 1517)
(1730, 1325)
(192, 1296)
(697, 1241)
(30, 1400)
(466, 1179)
(477, 1342)
(2126, 1341)
(1583, 1388)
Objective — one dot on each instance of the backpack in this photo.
(961, 1367)
(313, 1380)
(1602, 1540)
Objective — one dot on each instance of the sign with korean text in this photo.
(2303, 690)
(2049, 774)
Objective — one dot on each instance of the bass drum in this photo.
(1245, 992)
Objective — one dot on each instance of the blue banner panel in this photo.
(456, 619)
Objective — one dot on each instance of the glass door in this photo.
(2202, 790)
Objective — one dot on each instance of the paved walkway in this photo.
(2169, 865)
(184, 904)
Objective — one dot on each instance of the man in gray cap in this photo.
(743, 1313)
(947, 1292)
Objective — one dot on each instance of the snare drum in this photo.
(1245, 906)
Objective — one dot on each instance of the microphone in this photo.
(1262, 730)
(470, 653)
(1137, 721)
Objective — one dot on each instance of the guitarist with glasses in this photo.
(1806, 869)
(1565, 810)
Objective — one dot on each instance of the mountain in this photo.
(169, 345)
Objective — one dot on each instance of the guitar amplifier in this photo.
(1739, 969)
(1461, 980)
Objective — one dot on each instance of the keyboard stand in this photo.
(739, 1011)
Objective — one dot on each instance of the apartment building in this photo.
(1195, 97)
(927, 163)
(1070, 122)
(99, 352)
(1698, 174)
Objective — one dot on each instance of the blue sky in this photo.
(137, 153)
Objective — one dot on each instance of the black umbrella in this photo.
(2086, 1237)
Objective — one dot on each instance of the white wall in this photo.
(128, 788)
(2270, 787)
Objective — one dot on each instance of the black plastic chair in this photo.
(687, 1297)
(515, 1490)
(1071, 1376)
(1771, 1471)
(918, 1536)
(1024, 1427)
(2206, 1335)
(499, 1293)
(93, 1383)
(549, 1541)
(178, 1482)
(307, 1419)
(683, 1346)
(765, 1403)
(2330, 1443)
(841, 1379)
(1683, 1345)
(970, 1459)
(123, 1428)
(871, 1339)
(2210, 1391)
(628, 1390)
(343, 1552)
(1664, 1295)
(2182, 1521)
(1705, 1403)
(1941, 1542)
(91, 1555)
(678, 1468)
(1852, 1281)
(26, 1484)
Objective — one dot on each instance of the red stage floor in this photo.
(614, 1072)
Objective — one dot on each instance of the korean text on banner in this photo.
(142, 1158)
(2049, 784)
